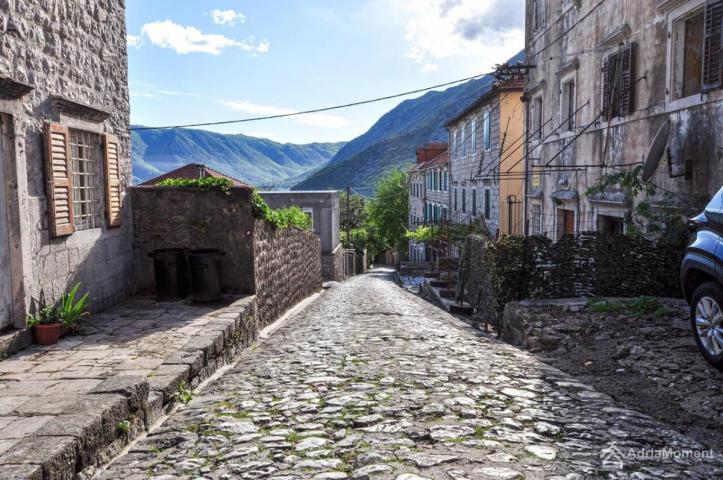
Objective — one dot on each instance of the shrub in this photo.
(280, 218)
(206, 183)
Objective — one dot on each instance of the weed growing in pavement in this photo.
(123, 427)
(184, 394)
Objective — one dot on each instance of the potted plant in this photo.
(45, 322)
(48, 321)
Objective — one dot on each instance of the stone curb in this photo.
(88, 433)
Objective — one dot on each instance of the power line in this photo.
(317, 110)
(580, 20)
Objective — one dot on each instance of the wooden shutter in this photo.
(712, 58)
(59, 178)
(627, 89)
(608, 67)
(113, 206)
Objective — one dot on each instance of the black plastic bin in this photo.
(205, 274)
(171, 272)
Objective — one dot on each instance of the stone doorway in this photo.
(6, 304)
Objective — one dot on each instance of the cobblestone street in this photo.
(370, 381)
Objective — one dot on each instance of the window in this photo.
(487, 130)
(454, 143)
(610, 225)
(474, 202)
(464, 144)
(473, 136)
(446, 181)
(537, 118)
(567, 105)
(688, 36)
(464, 200)
(538, 15)
(85, 168)
(618, 83)
(309, 212)
(455, 200)
(488, 204)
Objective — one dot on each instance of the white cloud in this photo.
(227, 17)
(134, 41)
(490, 31)
(313, 119)
(187, 39)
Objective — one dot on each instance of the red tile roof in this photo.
(438, 161)
(194, 170)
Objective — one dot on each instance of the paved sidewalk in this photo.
(73, 405)
(370, 381)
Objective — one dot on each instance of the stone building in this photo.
(428, 191)
(64, 152)
(605, 78)
(486, 167)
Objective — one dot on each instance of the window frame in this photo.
(97, 200)
(683, 12)
(568, 107)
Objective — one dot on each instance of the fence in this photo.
(589, 264)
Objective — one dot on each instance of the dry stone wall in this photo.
(332, 264)
(288, 269)
(590, 264)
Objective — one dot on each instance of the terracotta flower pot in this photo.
(47, 334)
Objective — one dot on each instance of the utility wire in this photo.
(580, 20)
(317, 110)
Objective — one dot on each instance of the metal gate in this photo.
(6, 309)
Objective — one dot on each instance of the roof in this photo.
(194, 170)
(438, 161)
(485, 97)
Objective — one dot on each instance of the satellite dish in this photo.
(656, 150)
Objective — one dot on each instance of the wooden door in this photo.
(569, 222)
(6, 320)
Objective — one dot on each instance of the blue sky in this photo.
(194, 61)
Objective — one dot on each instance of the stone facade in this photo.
(287, 263)
(190, 218)
(486, 162)
(63, 62)
(659, 47)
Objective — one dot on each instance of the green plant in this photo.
(205, 183)
(280, 218)
(71, 310)
(123, 427)
(421, 234)
(184, 394)
(43, 313)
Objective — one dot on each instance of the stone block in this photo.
(112, 408)
(195, 360)
(58, 456)
(87, 428)
(210, 344)
(133, 387)
(21, 472)
(154, 408)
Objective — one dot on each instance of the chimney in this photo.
(429, 151)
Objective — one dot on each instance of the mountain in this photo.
(256, 161)
(391, 142)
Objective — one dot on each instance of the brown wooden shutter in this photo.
(113, 206)
(59, 179)
(712, 57)
(607, 72)
(626, 80)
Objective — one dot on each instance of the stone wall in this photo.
(190, 218)
(288, 269)
(76, 49)
(590, 264)
(332, 264)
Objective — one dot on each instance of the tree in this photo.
(389, 208)
(357, 211)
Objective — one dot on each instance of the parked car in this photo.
(702, 280)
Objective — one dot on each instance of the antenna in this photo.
(656, 151)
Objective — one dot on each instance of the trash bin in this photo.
(169, 266)
(205, 274)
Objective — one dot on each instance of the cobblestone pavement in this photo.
(370, 381)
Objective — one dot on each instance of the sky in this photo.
(193, 61)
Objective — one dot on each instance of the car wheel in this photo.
(706, 316)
